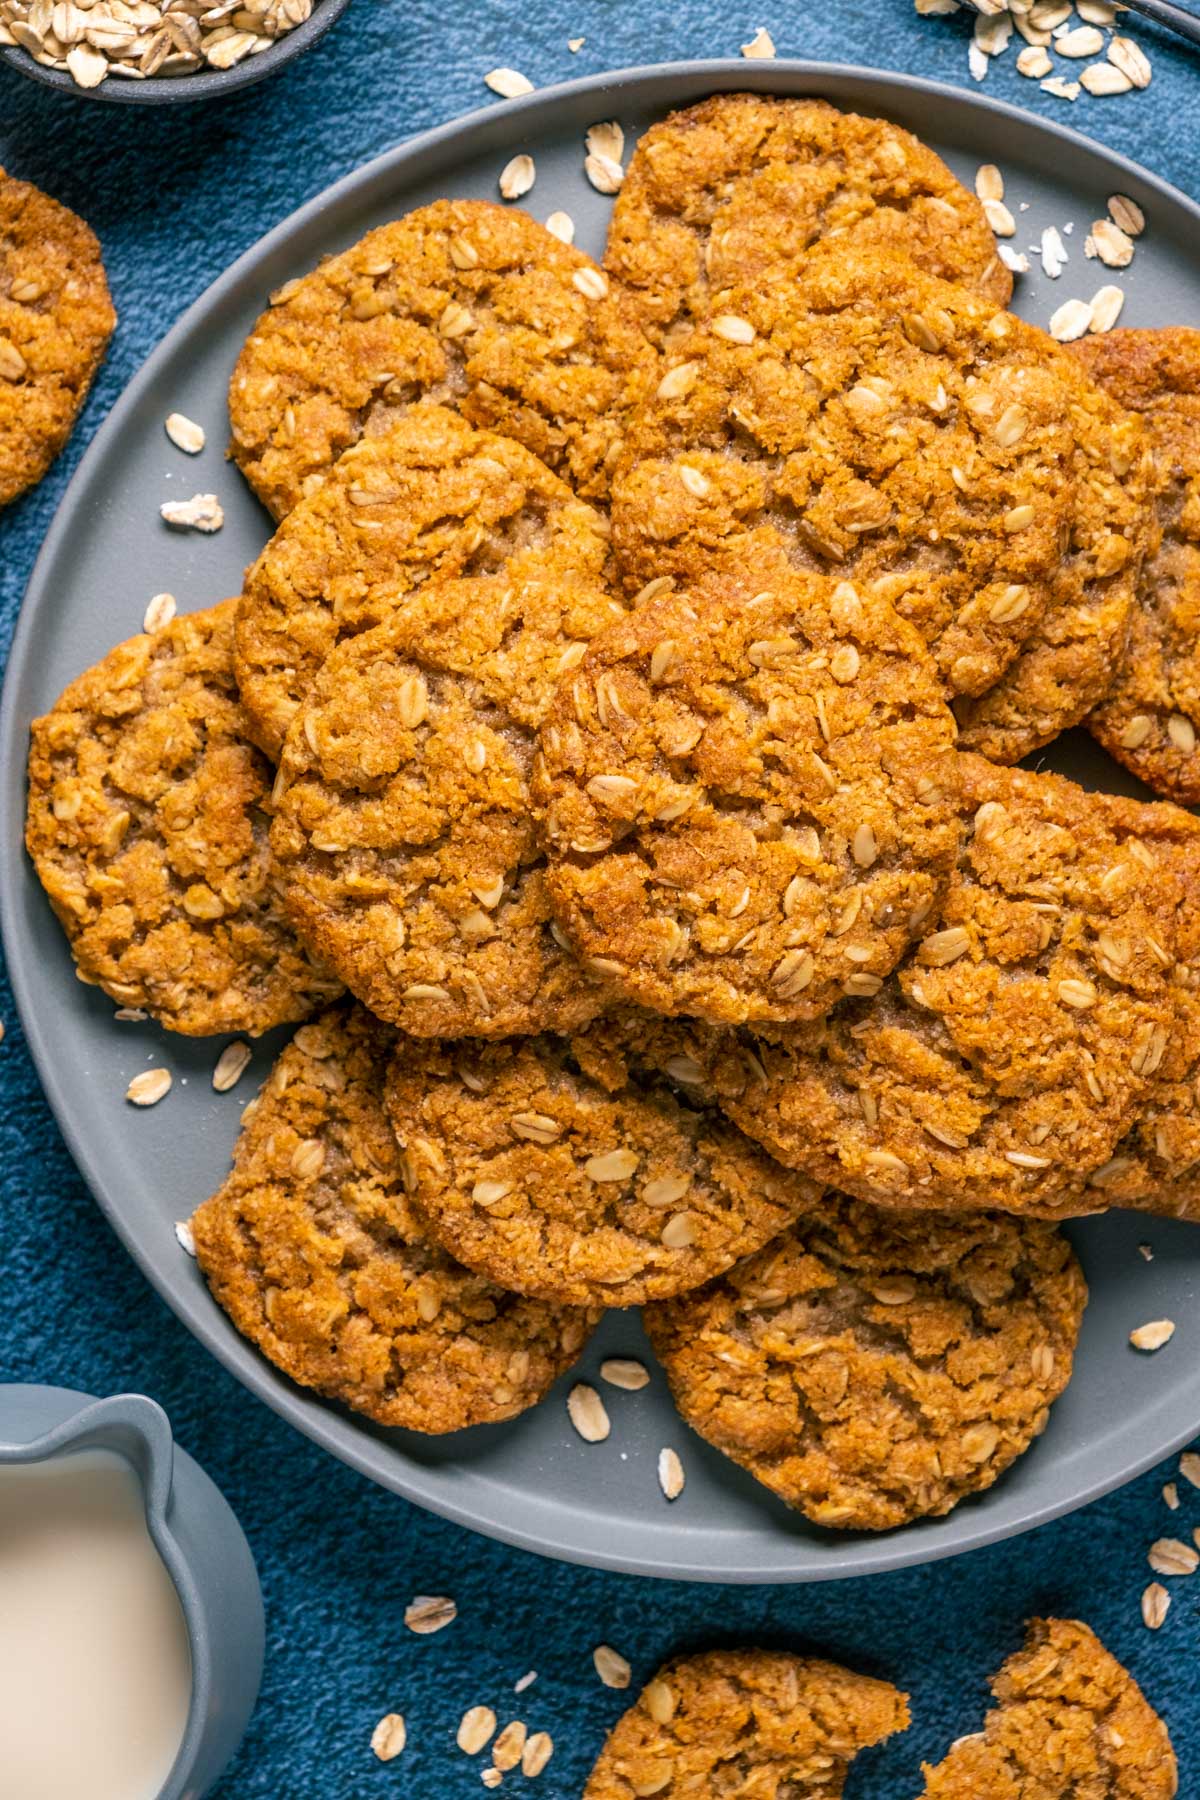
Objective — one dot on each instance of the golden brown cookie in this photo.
(1071, 1724)
(429, 497)
(1150, 716)
(1006, 1058)
(314, 1251)
(761, 1724)
(56, 318)
(404, 832)
(744, 188)
(147, 825)
(872, 1367)
(551, 1167)
(1069, 662)
(750, 794)
(464, 302)
(869, 422)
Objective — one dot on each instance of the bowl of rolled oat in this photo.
(154, 52)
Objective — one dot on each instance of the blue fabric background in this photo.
(175, 194)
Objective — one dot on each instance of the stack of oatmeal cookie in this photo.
(624, 714)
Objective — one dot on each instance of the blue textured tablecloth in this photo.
(175, 194)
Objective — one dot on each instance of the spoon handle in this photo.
(1165, 12)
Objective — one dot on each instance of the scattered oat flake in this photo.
(159, 613)
(1096, 12)
(510, 84)
(1127, 214)
(1034, 61)
(1084, 41)
(1016, 260)
(604, 174)
(625, 1372)
(148, 1088)
(201, 513)
(508, 1747)
(1061, 89)
(999, 218)
(989, 182)
(1072, 320)
(761, 45)
(1114, 249)
(1171, 1556)
(1170, 1495)
(977, 62)
(429, 1612)
(612, 1668)
(1146, 1251)
(184, 1238)
(389, 1737)
(586, 1411)
(606, 139)
(670, 1473)
(1154, 1335)
(527, 1680)
(185, 434)
(1131, 59)
(1189, 1467)
(1102, 81)
(475, 1730)
(1107, 303)
(1156, 1603)
(231, 1066)
(992, 31)
(575, 45)
(562, 226)
(1053, 252)
(131, 1015)
(537, 1753)
(491, 1778)
(517, 177)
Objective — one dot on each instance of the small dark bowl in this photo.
(166, 91)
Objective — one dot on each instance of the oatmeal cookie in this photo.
(404, 833)
(313, 1249)
(762, 1724)
(429, 497)
(872, 1368)
(750, 793)
(147, 826)
(1071, 1721)
(1003, 1062)
(870, 422)
(56, 318)
(550, 1167)
(462, 301)
(745, 187)
(1150, 716)
(1069, 663)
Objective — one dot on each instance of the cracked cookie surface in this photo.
(430, 497)
(56, 317)
(404, 833)
(745, 187)
(750, 796)
(872, 1368)
(1005, 1059)
(1150, 715)
(147, 824)
(1070, 1720)
(313, 1249)
(549, 1166)
(463, 302)
(759, 1723)
(871, 422)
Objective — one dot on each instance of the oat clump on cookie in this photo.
(56, 317)
(761, 1723)
(314, 1251)
(749, 187)
(556, 1168)
(871, 422)
(873, 1368)
(147, 824)
(750, 795)
(404, 833)
(462, 302)
(429, 497)
(1070, 1721)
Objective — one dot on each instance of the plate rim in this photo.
(864, 1554)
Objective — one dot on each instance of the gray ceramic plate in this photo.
(534, 1482)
